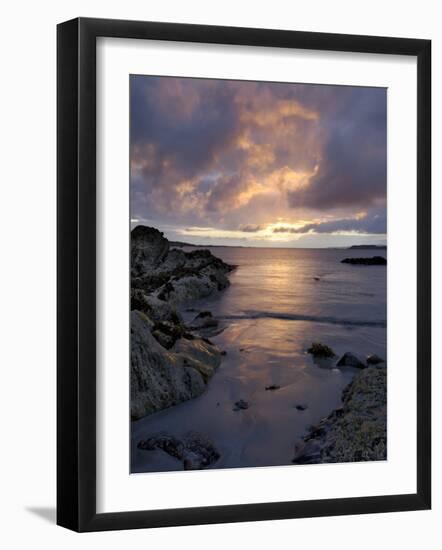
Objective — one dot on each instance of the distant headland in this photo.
(368, 247)
(181, 244)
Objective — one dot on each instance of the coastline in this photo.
(257, 374)
(170, 361)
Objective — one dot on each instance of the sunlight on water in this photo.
(279, 302)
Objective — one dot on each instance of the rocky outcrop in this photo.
(148, 249)
(375, 260)
(172, 275)
(163, 377)
(194, 450)
(355, 432)
(170, 362)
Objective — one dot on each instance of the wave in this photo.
(256, 314)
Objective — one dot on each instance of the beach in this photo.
(279, 301)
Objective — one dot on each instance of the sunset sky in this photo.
(258, 164)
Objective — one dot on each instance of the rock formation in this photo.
(194, 450)
(355, 432)
(375, 260)
(351, 360)
(172, 275)
(170, 362)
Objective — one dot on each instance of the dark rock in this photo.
(375, 260)
(338, 412)
(320, 350)
(164, 339)
(165, 292)
(203, 314)
(240, 405)
(316, 278)
(199, 452)
(301, 407)
(194, 450)
(356, 431)
(351, 360)
(169, 364)
(200, 355)
(272, 387)
(204, 320)
(315, 431)
(161, 378)
(149, 247)
(157, 310)
(224, 352)
(167, 333)
(167, 443)
(368, 247)
(307, 452)
(374, 360)
(172, 274)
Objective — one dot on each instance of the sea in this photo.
(279, 302)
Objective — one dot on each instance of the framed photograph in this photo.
(243, 274)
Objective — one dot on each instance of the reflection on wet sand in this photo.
(265, 352)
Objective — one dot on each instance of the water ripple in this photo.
(256, 314)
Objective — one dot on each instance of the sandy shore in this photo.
(259, 355)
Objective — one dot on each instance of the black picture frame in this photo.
(76, 273)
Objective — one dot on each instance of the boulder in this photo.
(351, 360)
(161, 378)
(374, 359)
(320, 350)
(194, 450)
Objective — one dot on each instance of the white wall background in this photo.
(27, 275)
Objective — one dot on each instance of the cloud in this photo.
(215, 140)
(236, 154)
(353, 167)
(251, 228)
(373, 224)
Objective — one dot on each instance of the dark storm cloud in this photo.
(239, 156)
(186, 121)
(250, 228)
(353, 169)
